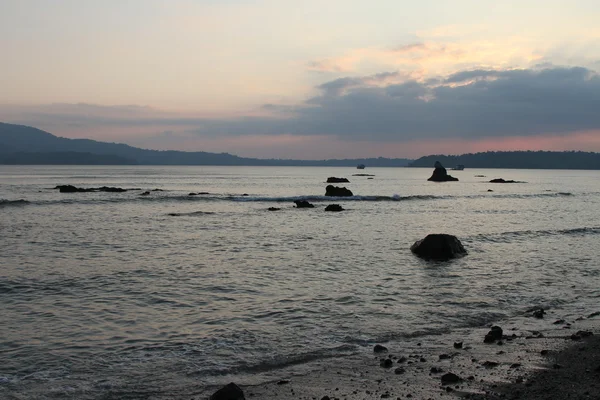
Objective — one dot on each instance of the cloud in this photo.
(389, 108)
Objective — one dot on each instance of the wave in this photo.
(191, 214)
(505, 237)
(167, 197)
(13, 203)
(291, 199)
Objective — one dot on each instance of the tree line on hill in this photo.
(516, 159)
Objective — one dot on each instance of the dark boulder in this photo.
(274, 209)
(303, 204)
(450, 378)
(440, 174)
(333, 179)
(146, 193)
(438, 247)
(379, 348)
(228, 392)
(334, 207)
(494, 334)
(334, 191)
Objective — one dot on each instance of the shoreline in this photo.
(536, 359)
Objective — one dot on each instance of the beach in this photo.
(558, 362)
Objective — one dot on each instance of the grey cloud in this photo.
(468, 104)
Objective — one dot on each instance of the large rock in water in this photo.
(335, 191)
(333, 179)
(438, 246)
(440, 174)
(228, 392)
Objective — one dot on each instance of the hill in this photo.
(21, 144)
(516, 159)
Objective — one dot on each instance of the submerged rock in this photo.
(438, 247)
(146, 193)
(440, 174)
(334, 191)
(500, 180)
(333, 179)
(273, 209)
(379, 348)
(334, 207)
(228, 392)
(303, 204)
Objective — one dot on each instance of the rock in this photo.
(450, 378)
(333, 179)
(283, 382)
(458, 345)
(67, 188)
(585, 333)
(111, 189)
(500, 180)
(539, 313)
(228, 392)
(515, 365)
(436, 370)
(303, 204)
(386, 363)
(490, 190)
(325, 398)
(192, 194)
(490, 364)
(273, 209)
(440, 174)
(145, 193)
(438, 247)
(334, 191)
(399, 371)
(334, 207)
(494, 334)
(362, 175)
(73, 189)
(379, 348)
(444, 356)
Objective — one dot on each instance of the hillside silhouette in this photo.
(516, 159)
(20, 144)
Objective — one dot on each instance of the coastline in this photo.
(537, 359)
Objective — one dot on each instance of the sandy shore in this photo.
(536, 359)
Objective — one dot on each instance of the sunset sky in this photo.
(306, 79)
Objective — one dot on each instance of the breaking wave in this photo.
(13, 203)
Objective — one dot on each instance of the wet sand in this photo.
(536, 359)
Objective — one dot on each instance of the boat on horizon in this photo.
(360, 166)
(459, 167)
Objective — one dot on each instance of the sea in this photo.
(131, 295)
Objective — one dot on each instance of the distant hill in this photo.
(21, 144)
(516, 159)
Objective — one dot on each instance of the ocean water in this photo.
(130, 296)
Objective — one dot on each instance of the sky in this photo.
(309, 79)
